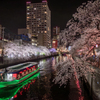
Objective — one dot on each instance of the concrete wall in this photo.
(92, 81)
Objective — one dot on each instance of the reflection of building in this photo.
(56, 31)
(38, 22)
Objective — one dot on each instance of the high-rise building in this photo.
(56, 31)
(38, 22)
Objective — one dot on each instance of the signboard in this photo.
(54, 44)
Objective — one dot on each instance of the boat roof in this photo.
(20, 66)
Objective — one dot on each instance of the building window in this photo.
(28, 7)
(28, 13)
(45, 12)
(34, 8)
(45, 20)
(45, 31)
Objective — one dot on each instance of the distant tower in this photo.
(56, 31)
(38, 23)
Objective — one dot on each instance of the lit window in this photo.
(38, 19)
(48, 29)
(33, 43)
(28, 28)
(45, 31)
(28, 17)
(34, 8)
(28, 6)
(32, 40)
(45, 12)
(54, 41)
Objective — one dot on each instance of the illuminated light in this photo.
(34, 81)
(28, 6)
(21, 92)
(14, 76)
(54, 41)
(28, 2)
(45, 12)
(33, 66)
(96, 46)
(20, 72)
(44, 1)
(34, 8)
(27, 68)
(24, 70)
(15, 96)
(25, 88)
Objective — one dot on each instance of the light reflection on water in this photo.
(42, 88)
(41, 85)
(17, 92)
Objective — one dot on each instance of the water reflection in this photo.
(41, 88)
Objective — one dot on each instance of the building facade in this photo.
(22, 31)
(56, 31)
(38, 23)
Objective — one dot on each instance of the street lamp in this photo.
(96, 45)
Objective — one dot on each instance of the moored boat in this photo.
(18, 73)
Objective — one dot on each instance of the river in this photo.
(41, 87)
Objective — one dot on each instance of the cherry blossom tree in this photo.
(85, 20)
(82, 33)
(23, 52)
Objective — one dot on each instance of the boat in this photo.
(18, 73)
(14, 91)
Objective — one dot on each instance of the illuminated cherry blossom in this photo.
(24, 51)
(82, 33)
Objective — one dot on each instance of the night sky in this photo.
(13, 12)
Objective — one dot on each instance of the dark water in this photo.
(41, 87)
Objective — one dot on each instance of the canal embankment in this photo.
(11, 62)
